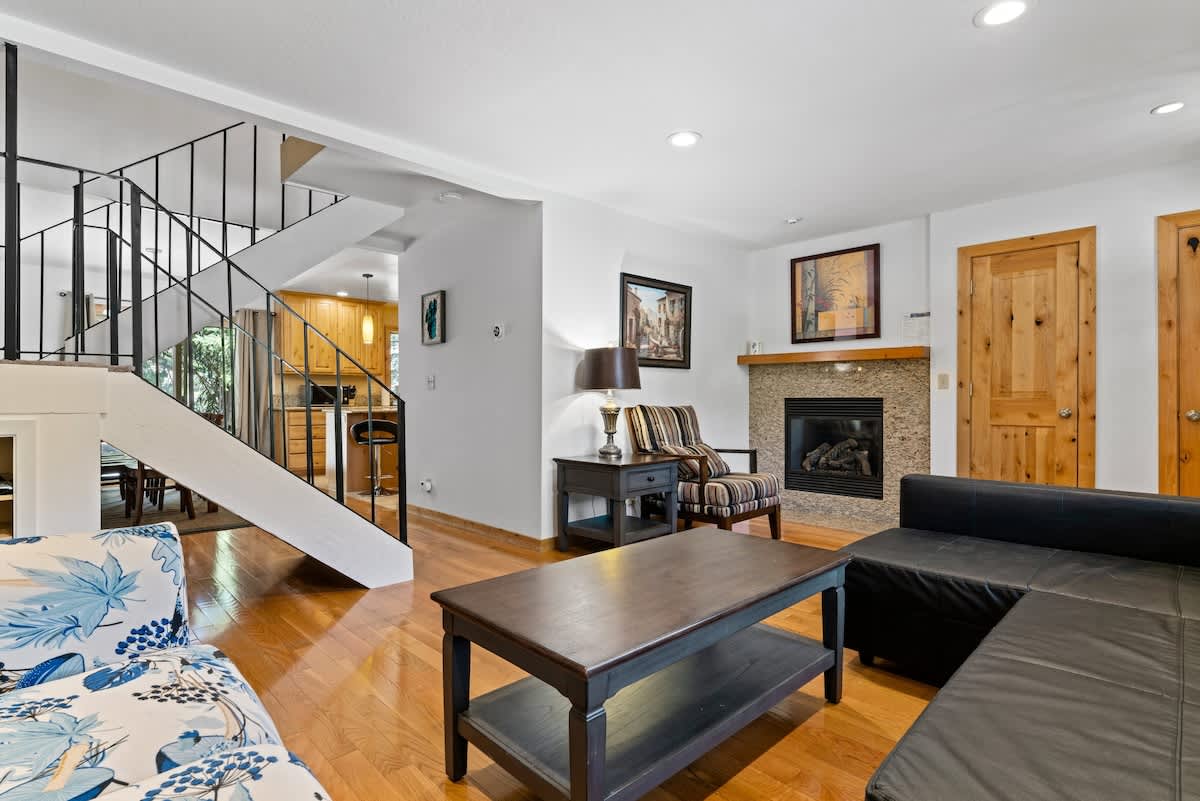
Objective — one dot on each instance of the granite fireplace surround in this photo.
(903, 384)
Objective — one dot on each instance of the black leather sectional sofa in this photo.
(1067, 622)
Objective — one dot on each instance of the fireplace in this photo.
(834, 446)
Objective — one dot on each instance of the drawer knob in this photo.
(650, 479)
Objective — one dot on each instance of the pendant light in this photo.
(368, 320)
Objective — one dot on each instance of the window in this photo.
(394, 361)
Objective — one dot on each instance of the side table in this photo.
(617, 480)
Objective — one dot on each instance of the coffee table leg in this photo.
(587, 731)
(456, 693)
(833, 615)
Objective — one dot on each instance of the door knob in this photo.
(1065, 413)
(1193, 415)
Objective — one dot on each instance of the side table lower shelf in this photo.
(601, 528)
(656, 726)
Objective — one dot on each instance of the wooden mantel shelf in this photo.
(853, 355)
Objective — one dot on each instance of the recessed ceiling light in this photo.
(1000, 13)
(793, 220)
(684, 139)
(450, 197)
(1167, 108)
(343, 294)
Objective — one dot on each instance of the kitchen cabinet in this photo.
(340, 320)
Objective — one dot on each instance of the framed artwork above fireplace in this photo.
(836, 295)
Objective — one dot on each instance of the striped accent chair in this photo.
(708, 491)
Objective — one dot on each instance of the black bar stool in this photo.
(375, 434)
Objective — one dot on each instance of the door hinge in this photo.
(971, 291)
(970, 389)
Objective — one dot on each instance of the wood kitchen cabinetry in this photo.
(341, 321)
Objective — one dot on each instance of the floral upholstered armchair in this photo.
(103, 690)
(709, 491)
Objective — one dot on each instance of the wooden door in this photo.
(1179, 353)
(322, 315)
(1027, 360)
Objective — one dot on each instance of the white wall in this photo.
(586, 247)
(477, 434)
(1123, 209)
(903, 256)
(54, 413)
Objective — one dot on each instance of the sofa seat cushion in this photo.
(961, 578)
(255, 773)
(1115, 580)
(1054, 704)
(127, 721)
(745, 491)
(72, 601)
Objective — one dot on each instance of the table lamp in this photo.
(609, 369)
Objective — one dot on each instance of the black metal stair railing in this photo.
(245, 379)
(234, 235)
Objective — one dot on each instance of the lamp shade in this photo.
(610, 368)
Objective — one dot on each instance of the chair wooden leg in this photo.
(185, 500)
(139, 496)
(776, 524)
(725, 524)
(688, 522)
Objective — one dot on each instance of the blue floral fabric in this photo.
(72, 602)
(120, 723)
(267, 773)
(104, 693)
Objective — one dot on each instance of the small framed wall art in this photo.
(836, 295)
(656, 318)
(433, 317)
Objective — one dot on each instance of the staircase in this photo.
(180, 307)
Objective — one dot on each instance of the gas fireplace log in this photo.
(864, 462)
(839, 452)
(814, 456)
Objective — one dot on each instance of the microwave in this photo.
(326, 394)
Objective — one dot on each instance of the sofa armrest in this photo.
(751, 452)
(74, 601)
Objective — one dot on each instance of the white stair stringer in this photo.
(273, 262)
(154, 428)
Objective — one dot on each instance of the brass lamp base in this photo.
(610, 411)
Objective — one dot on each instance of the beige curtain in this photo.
(251, 377)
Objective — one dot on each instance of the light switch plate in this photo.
(943, 381)
(430, 382)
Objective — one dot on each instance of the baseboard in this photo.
(460, 525)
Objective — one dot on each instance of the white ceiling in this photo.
(845, 113)
(343, 273)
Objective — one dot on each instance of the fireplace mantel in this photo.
(851, 355)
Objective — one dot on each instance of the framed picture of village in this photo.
(836, 295)
(656, 318)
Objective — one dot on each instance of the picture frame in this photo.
(656, 319)
(835, 295)
(433, 317)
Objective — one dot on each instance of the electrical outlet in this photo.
(430, 382)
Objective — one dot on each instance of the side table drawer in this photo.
(656, 478)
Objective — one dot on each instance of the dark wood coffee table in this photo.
(673, 623)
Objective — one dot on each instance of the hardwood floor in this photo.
(353, 677)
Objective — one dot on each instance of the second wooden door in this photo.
(1179, 353)
(1027, 359)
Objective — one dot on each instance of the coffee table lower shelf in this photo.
(656, 726)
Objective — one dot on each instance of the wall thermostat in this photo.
(499, 330)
